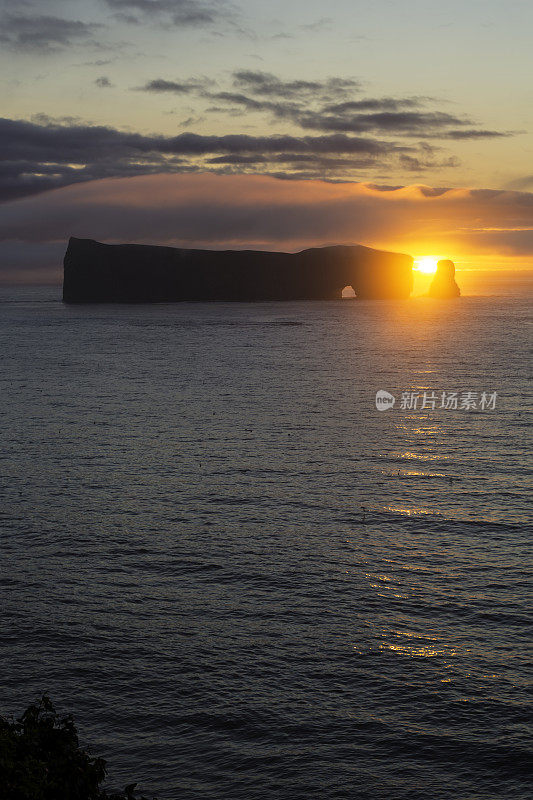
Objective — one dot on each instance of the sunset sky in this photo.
(371, 109)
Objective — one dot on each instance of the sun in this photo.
(426, 264)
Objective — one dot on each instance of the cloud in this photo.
(45, 154)
(521, 184)
(103, 82)
(188, 13)
(188, 121)
(44, 33)
(251, 210)
(413, 124)
(317, 25)
(99, 62)
(18, 4)
(507, 242)
(375, 104)
(476, 133)
(267, 84)
(329, 106)
(160, 86)
(309, 105)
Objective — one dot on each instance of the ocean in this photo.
(244, 580)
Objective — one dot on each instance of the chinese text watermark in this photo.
(432, 401)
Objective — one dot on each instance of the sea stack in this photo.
(443, 284)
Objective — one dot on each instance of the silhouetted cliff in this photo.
(130, 273)
(443, 284)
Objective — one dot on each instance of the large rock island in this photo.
(132, 273)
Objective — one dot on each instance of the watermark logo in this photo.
(384, 400)
(432, 401)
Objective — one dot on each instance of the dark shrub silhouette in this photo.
(41, 759)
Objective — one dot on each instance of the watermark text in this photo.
(436, 400)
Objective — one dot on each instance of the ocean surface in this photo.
(245, 581)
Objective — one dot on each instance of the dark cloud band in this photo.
(186, 13)
(43, 33)
(36, 156)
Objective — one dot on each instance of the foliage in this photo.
(41, 759)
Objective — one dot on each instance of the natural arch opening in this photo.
(348, 293)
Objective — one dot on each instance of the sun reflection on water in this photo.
(409, 455)
(416, 652)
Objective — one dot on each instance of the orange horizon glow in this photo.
(477, 230)
(426, 264)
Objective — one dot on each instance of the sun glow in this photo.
(426, 264)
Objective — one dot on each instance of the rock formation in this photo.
(130, 273)
(443, 284)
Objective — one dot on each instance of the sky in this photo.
(404, 125)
